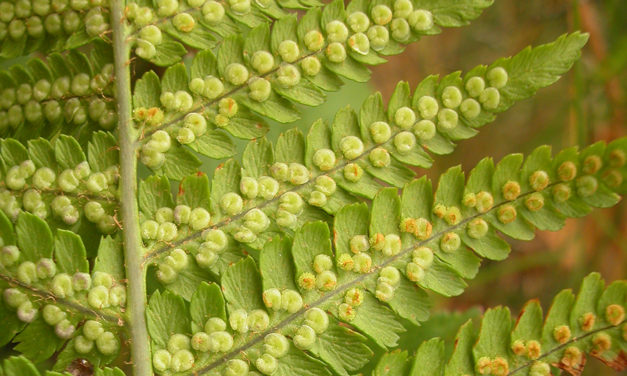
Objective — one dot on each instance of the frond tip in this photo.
(591, 323)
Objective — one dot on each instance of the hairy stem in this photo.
(133, 250)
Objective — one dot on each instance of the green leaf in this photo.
(257, 157)
(207, 302)
(275, 108)
(303, 93)
(377, 322)
(68, 152)
(147, 91)
(19, 366)
(311, 240)
(557, 346)
(174, 79)
(188, 279)
(110, 258)
(334, 11)
(539, 67)
(69, 355)
(558, 315)
(461, 361)
(166, 314)
(396, 174)
(429, 359)
(179, 162)
(592, 287)
(204, 64)
(290, 147)
(69, 253)
(11, 324)
(41, 153)
(246, 128)
(13, 152)
(37, 341)
(6, 229)
(241, 286)
(385, 212)
(349, 221)
(33, 237)
(529, 323)
(350, 69)
(194, 192)
(225, 179)
(154, 193)
(297, 362)
(102, 151)
(168, 53)
(214, 144)
(443, 280)
(392, 364)
(276, 266)
(410, 302)
(343, 349)
(494, 334)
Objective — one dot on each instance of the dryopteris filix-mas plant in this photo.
(309, 253)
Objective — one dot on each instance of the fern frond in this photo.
(380, 261)
(27, 27)
(319, 172)
(181, 26)
(295, 61)
(69, 93)
(591, 323)
(60, 184)
(51, 300)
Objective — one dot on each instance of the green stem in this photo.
(133, 250)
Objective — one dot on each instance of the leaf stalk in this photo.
(133, 250)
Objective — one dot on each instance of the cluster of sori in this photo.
(324, 279)
(290, 203)
(443, 113)
(287, 300)
(183, 18)
(569, 177)
(531, 349)
(43, 191)
(194, 124)
(316, 322)
(178, 357)
(100, 291)
(75, 100)
(497, 366)
(94, 332)
(168, 223)
(353, 298)
(284, 67)
(106, 292)
(37, 18)
(420, 124)
(171, 224)
(214, 337)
